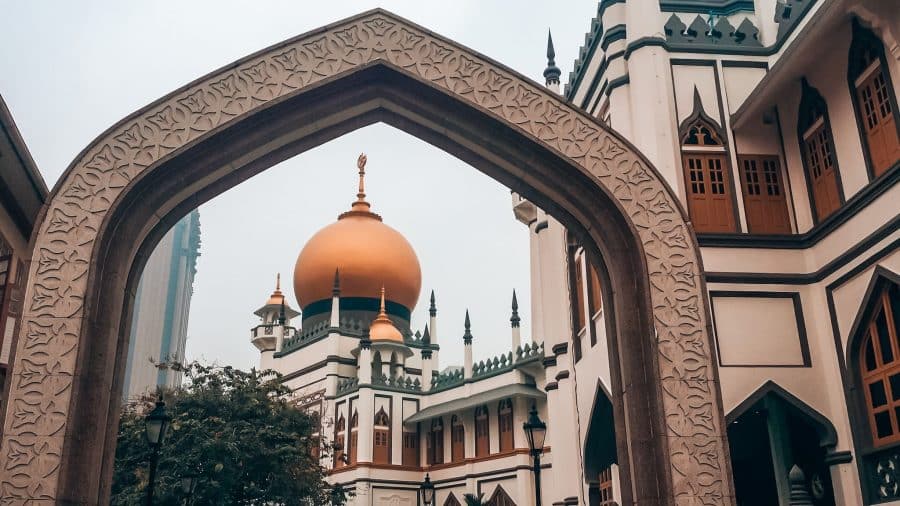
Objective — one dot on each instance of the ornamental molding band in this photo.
(58, 332)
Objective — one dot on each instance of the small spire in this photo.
(278, 282)
(382, 311)
(426, 337)
(282, 314)
(552, 72)
(514, 319)
(336, 288)
(361, 204)
(467, 336)
(432, 310)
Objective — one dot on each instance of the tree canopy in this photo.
(237, 431)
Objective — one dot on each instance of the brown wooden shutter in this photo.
(482, 433)
(709, 192)
(411, 448)
(457, 441)
(874, 103)
(818, 152)
(764, 197)
(505, 425)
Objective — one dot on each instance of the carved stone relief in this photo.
(42, 377)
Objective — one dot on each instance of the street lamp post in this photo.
(156, 424)
(535, 431)
(427, 489)
(188, 486)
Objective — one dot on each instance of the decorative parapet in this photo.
(529, 352)
(347, 385)
(298, 339)
(493, 366)
(405, 383)
(711, 31)
(445, 381)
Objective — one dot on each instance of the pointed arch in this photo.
(452, 500)
(874, 101)
(707, 172)
(381, 438)
(340, 438)
(353, 439)
(500, 498)
(124, 190)
(435, 442)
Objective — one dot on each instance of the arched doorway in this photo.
(138, 178)
(771, 432)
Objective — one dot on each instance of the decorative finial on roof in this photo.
(467, 335)
(278, 282)
(426, 337)
(552, 72)
(514, 319)
(382, 311)
(336, 288)
(360, 206)
(432, 310)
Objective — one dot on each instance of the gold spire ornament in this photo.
(382, 328)
(277, 297)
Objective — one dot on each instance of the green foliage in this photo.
(235, 430)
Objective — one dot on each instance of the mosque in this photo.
(376, 385)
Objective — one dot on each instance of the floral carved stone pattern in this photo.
(41, 387)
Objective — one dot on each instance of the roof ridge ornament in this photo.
(514, 319)
(467, 335)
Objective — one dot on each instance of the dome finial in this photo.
(514, 319)
(360, 207)
(382, 311)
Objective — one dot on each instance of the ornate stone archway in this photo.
(59, 424)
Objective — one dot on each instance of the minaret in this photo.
(427, 360)
(514, 323)
(467, 344)
(336, 302)
(432, 320)
(552, 72)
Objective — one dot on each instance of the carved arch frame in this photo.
(136, 179)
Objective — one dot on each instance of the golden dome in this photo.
(367, 253)
(277, 297)
(382, 328)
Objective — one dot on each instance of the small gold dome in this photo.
(382, 328)
(367, 253)
(277, 297)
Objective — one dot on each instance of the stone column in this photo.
(365, 407)
(566, 446)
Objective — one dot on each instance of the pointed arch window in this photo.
(817, 150)
(452, 500)
(880, 365)
(482, 432)
(505, 425)
(435, 448)
(340, 428)
(381, 440)
(707, 177)
(874, 102)
(500, 498)
(457, 439)
(354, 439)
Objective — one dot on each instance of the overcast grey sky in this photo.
(69, 70)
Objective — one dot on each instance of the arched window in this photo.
(436, 442)
(457, 439)
(873, 100)
(707, 178)
(352, 446)
(452, 500)
(880, 365)
(817, 151)
(339, 439)
(505, 425)
(381, 441)
(482, 432)
(500, 498)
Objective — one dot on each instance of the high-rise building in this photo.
(161, 310)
